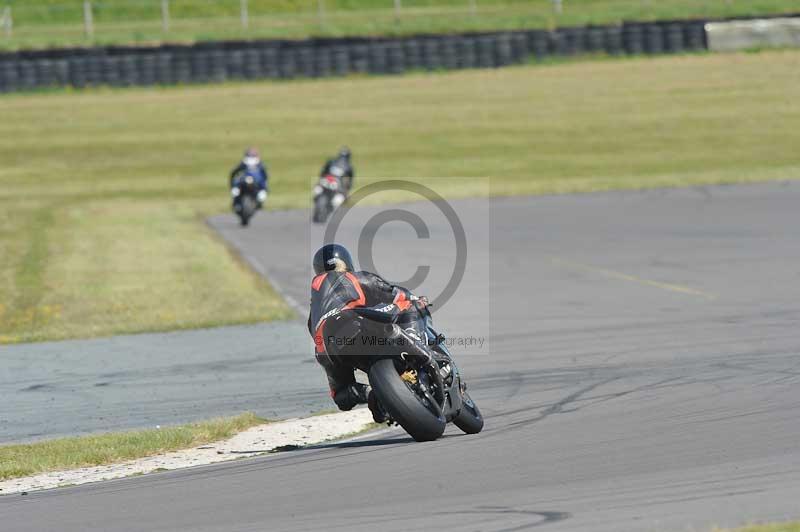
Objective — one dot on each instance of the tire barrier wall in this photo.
(273, 59)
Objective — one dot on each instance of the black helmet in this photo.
(344, 152)
(327, 257)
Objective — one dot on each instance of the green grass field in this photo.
(102, 192)
(62, 454)
(84, 451)
(770, 527)
(40, 23)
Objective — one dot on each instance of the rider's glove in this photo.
(421, 301)
(422, 304)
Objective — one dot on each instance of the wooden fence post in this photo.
(245, 15)
(321, 12)
(165, 16)
(88, 19)
(8, 22)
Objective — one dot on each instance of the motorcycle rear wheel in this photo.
(402, 404)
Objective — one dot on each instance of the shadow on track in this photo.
(356, 444)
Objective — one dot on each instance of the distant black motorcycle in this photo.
(329, 194)
(410, 369)
(245, 194)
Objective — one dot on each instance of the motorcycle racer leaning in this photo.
(341, 166)
(337, 287)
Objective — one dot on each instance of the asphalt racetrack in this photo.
(640, 371)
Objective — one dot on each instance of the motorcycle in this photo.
(247, 197)
(411, 371)
(329, 194)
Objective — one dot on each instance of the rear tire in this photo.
(469, 419)
(402, 403)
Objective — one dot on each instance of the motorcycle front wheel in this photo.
(418, 415)
(469, 419)
(248, 209)
(320, 209)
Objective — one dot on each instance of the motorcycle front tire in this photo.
(320, 209)
(469, 419)
(249, 206)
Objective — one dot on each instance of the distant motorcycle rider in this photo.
(337, 287)
(340, 166)
(251, 164)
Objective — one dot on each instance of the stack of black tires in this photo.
(265, 59)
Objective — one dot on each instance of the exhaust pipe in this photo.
(410, 345)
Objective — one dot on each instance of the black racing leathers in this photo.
(331, 291)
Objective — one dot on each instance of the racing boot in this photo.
(378, 413)
(348, 397)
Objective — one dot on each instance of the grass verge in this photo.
(770, 527)
(102, 191)
(41, 23)
(85, 451)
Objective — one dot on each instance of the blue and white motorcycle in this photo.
(247, 196)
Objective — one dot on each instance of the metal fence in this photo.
(32, 24)
(89, 14)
